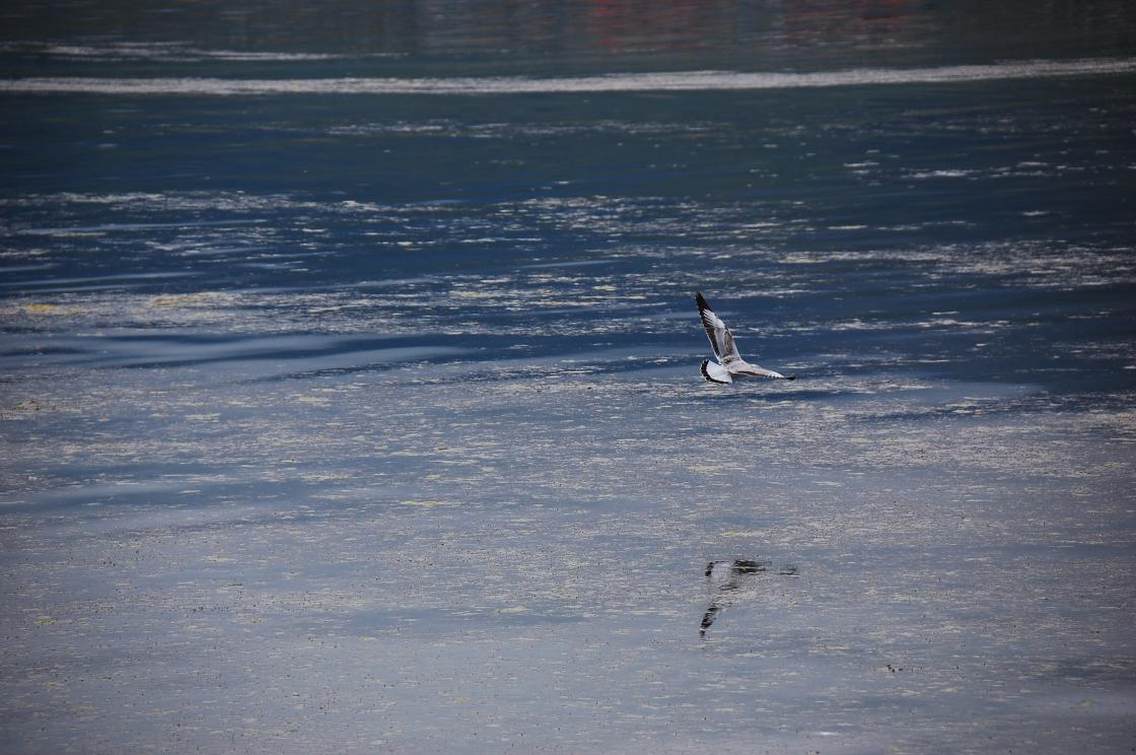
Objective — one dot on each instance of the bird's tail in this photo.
(715, 373)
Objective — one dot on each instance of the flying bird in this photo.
(728, 365)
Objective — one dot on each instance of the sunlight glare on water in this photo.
(350, 390)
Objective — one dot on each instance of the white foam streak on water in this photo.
(624, 82)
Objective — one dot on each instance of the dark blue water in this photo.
(848, 205)
(350, 394)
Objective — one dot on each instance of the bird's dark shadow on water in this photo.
(728, 577)
(806, 394)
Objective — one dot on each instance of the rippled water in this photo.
(350, 395)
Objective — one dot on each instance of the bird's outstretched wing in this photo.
(721, 339)
(742, 367)
(710, 615)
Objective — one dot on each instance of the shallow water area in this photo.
(366, 416)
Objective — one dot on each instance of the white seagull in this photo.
(729, 364)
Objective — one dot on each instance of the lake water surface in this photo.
(350, 397)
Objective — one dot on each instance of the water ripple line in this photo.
(617, 82)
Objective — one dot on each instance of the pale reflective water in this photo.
(337, 416)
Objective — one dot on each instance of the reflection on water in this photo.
(544, 34)
(730, 581)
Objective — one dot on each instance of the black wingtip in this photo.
(790, 377)
(702, 304)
